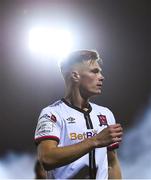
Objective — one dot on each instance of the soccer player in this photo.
(75, 137)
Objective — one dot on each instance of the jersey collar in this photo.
(77, 108)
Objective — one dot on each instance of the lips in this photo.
(99, 85)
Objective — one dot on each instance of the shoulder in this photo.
(103, 109)
(53, 107)
(52, 110)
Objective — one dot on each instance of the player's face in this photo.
(91, 78)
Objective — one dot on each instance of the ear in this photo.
(75, 76)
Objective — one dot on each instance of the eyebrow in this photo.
(96, 69)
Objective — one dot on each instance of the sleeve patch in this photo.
(46, 116)
(53, 118)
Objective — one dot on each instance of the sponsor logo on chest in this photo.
(83, 135)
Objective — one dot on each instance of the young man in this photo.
(77, 138)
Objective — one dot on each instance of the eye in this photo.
(96, 71)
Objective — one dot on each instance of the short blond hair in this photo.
(78, 57)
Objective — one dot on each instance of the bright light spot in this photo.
(50, 41)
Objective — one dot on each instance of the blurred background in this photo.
(30, 78)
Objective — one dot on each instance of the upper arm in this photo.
(47, 134)
(48, 127)
(44, 150)
(45, 147)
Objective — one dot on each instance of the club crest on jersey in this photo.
(102, 119)
(71, 120)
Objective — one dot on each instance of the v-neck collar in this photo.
(77, 108)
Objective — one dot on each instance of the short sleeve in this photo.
(111, 120)
(48, 126)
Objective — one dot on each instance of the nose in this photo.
(101, 77)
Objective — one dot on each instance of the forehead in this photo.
(91, 65)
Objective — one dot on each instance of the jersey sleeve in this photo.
(48, 126)
(111, 120)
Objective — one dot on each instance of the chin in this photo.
(96, 93)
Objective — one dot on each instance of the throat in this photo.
(83, 105)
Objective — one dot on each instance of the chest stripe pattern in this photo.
(89, 125)
(92, 163)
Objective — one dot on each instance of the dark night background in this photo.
(119, 30)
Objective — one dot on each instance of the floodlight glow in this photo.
(50, 42)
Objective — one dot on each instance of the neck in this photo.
(75, 98)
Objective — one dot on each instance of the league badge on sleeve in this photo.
(102, 119)
(45, 116)
(51, 118)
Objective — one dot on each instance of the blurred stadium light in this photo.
(50, 42)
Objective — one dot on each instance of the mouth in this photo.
(99, 85)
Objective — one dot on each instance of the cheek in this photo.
(88, 80)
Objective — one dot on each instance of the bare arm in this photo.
(114, 166)
(53, 156)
